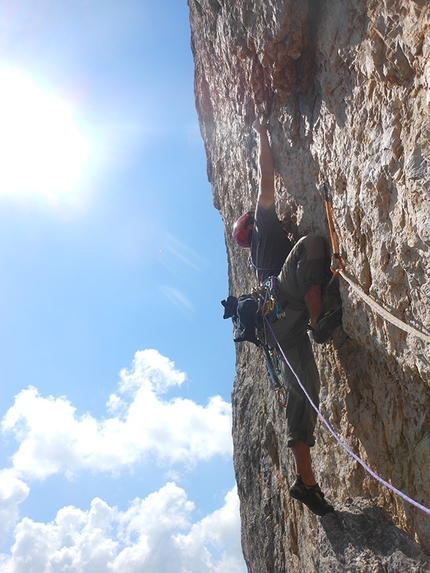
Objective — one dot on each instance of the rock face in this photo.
(345, 85)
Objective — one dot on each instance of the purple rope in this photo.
(344, 446)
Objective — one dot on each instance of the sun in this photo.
(43, 152)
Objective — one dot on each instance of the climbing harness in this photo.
(337, 267)
(333, 433)
(248, 314)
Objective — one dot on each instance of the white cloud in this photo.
(221, 530)
(154, 534)
(53, 438)
(12, 492)
(153, 370)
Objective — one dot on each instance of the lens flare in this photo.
(43, 151)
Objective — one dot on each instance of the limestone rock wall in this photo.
(346, 87)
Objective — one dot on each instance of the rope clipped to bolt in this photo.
(337, 267)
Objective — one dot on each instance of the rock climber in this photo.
(301, 269)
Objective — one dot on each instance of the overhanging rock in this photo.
(345, 86)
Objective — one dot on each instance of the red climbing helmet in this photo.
(242, 230)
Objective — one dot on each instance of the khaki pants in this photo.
(306, 265)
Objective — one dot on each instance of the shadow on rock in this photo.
(360, 536)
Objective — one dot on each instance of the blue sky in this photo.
(116, 365)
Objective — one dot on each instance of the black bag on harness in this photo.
(244, 312)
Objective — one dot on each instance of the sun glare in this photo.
(42, 151)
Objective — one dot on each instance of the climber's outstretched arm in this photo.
(266, 193)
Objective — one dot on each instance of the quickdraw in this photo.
(337, 263)
(337, 267)
(275, 374)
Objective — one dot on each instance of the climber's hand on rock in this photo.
(259, 127)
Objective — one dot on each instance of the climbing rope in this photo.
(338, 268)
(333, 433)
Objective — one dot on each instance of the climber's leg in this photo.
(302, 460)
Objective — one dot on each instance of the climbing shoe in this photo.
(312, 497)
(326, 324)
